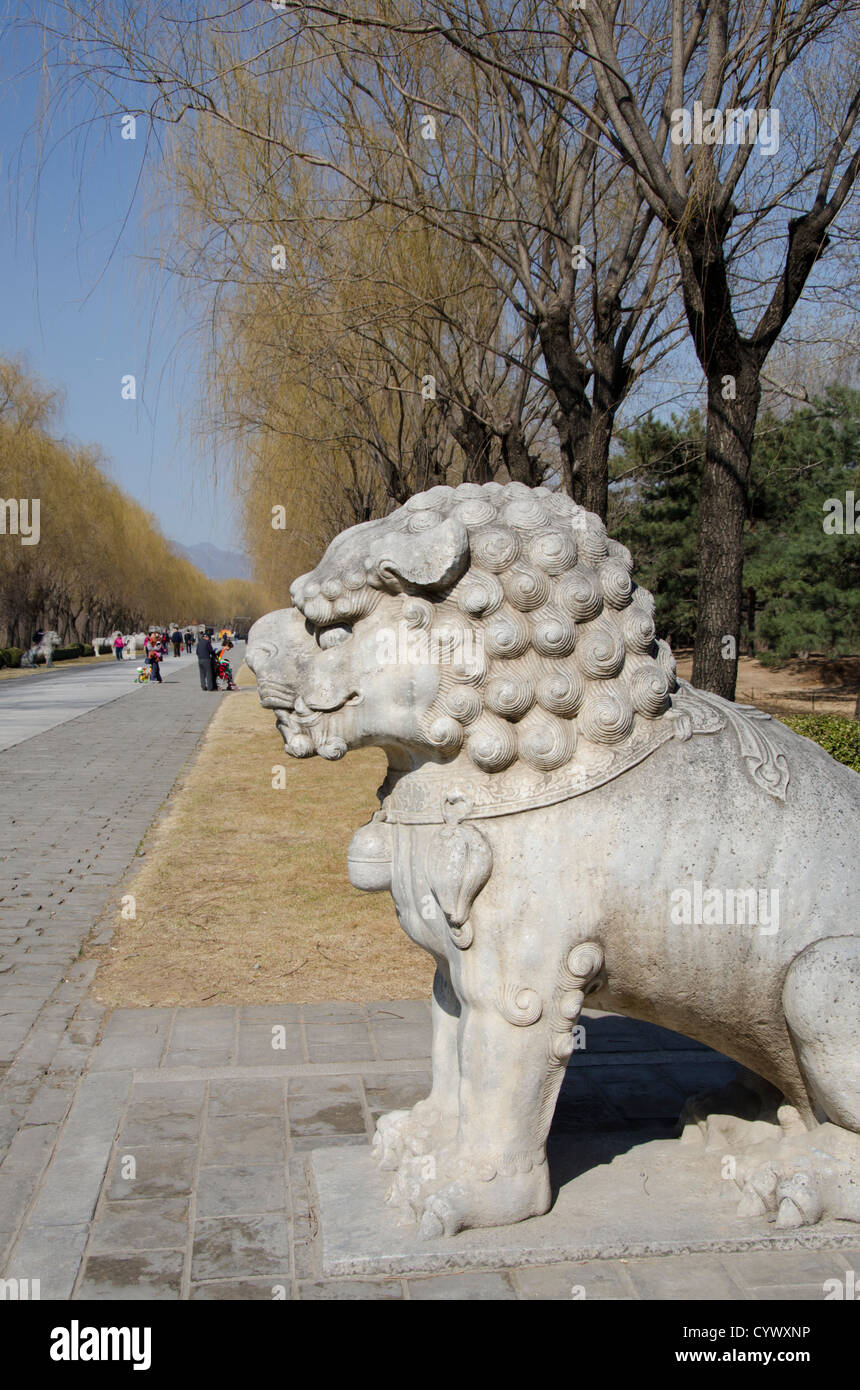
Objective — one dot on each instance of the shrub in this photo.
(838, 736)
(10, 656)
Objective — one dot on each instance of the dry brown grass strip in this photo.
(238, 875)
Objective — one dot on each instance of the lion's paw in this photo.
(455, 1189)
(747, 1110)
(409, 1185)
(801, 1179)
(402, 1135)
(471, 1200)
(387, 1144)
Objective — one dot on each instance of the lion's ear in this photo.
(431, 559)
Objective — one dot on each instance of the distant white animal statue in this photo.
(45, 648)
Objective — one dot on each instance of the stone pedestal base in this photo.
(657, 1198)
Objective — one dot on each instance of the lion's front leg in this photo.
(432, 1123)
(494, 1171)
(513, 1043)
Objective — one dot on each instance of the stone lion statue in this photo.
(564, 820)
(44, 647)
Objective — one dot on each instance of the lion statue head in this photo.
(496, 623)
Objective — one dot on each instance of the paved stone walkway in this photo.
(78, 799)
(31, 705)
(164, 1154)
(182, 1169)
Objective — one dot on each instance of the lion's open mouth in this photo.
(307, 731)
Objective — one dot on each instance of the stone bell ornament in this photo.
(553, 794)
(369, 856)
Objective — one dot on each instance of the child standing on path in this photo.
(153, 657)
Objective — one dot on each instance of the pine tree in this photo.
(654, 512)
(801, 582)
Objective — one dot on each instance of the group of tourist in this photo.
(174, 637)
(212, 654)
(154, 652)
(212, 660)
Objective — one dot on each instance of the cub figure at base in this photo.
(562, 819)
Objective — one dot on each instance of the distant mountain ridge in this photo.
(215, 562)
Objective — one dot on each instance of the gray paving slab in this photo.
(241, 1247)
(339, 1041)
(264, 1044)
(486, 1286)
(16, 1189)
(146, 1275)
(139, 1171)
(161, 1223)
(244, 1189)
(30, 1150)
(51, 1254)
(240, 1290)
(258, 1097)
(576, 1282)
(244, 1139)
(350, 1290)
(71, 1186)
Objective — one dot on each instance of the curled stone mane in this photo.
(563, 640)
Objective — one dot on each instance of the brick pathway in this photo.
(78, 799)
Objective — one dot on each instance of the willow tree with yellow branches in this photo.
(98, 561)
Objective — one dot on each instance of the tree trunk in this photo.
(610, 385)
(596, 464)
(572, 431)
(568, 379)
(522, 466)
(722, 513)
(474, 438)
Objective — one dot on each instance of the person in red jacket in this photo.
(223, 670)
(153, 656)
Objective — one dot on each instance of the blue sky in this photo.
(83, 308)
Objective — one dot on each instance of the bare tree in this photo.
(684, 90)
(575, 148)
(559, 228)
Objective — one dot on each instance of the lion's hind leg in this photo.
(805, 1175)
(821, 999)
